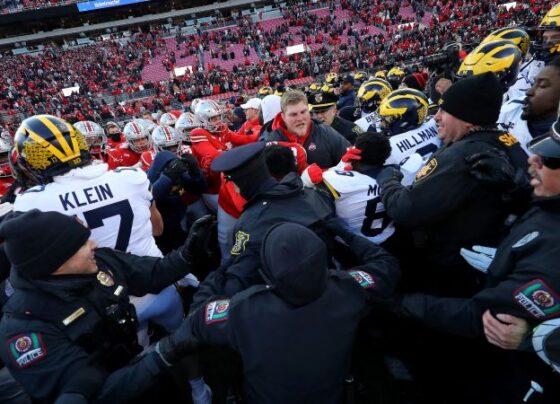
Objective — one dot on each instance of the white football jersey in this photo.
(525, 79)
(422, 140)
(358, 204)
(369, 122)
(510, 121)
(115, 205)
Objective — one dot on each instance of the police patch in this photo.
(526, 239)
(105, 279)
(241, 240)
(363, 278)
(426, 170)
(26, 349)
(539, 299)
(216, 311)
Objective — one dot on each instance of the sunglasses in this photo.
(551, 162)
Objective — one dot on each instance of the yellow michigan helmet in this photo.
(47, 146)
(551, 20)
(264, 91)
(499, 57)
(360, 77)
(332, 78)
(515, 35)
(395, 76)
(371, 93)
(314, 87)
(403, 110)
(380, 74)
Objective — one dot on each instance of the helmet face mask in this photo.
(138, 137)
(499, 57)
(47, 146)
(371, 93)
(186, 122)
(403, 110)
(94, 134)
(211, 116)
(166, 138)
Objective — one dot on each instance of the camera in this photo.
(447, 61)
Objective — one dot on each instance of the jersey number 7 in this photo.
(95, 217)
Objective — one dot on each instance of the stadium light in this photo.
(292, 50)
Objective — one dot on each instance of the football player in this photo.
(95, 138)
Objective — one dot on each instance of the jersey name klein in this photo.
(87, 196)
(416, 139)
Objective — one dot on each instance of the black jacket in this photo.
(286, 201)
(448, 208)
(54, 329)
(348, 129)
(324, 145)
(298, 352)
(523, 279)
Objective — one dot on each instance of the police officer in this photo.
(70, 320)
(268, 202)
(522, 279)
(447, 207)
(323, 108)
(295, 331)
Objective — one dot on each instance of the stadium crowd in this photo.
(114, 68)
(383, 234)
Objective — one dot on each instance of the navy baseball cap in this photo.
(547, 145)
(235, 158)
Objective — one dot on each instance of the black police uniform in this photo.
(348, 129)
(448, 209)
(268, 202)
(54, 329)
(296, 342)
(324, 145)
(523, 281)
(286, 201)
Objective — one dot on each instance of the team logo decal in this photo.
(538, 299)
(105, 279)
(526, 239)
(426, 170)
(241, 240)
(312, 147)
(26, 349)
(216, 311)
(363, 278)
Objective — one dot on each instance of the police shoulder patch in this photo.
(539, 299)
(428, 168)
(363, 278)
(526, 239)
(26, 349)
(241, 240)
(216, 311)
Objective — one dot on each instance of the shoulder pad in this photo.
(133, 175)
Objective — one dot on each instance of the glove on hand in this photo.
(492, 167)
(175, 169)
(175, 346)
(388, 173)
(312, 175)
(479, 258)
(197, 245)
(352, 154)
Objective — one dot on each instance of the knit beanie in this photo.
(38, 243)
(476, 99)
(416, 81)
